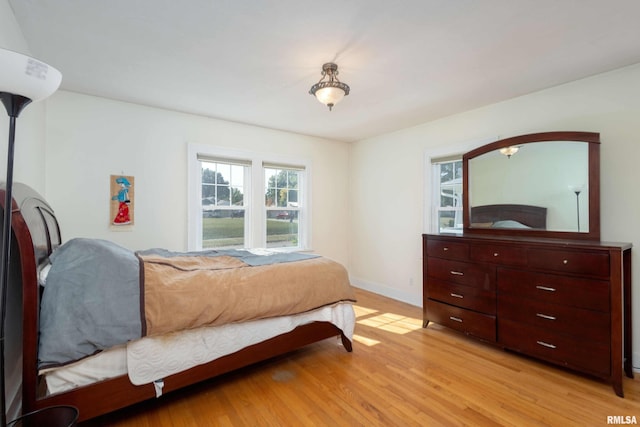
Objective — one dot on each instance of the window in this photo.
(247, 200)
(447, 179)
(282, 193)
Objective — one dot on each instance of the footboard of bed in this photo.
(109, 395)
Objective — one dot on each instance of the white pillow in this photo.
(43, 271)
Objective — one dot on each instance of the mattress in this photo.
(150, 359)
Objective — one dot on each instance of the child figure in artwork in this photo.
(122, 217)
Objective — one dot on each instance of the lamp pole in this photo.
(578, 207)
(14, 105)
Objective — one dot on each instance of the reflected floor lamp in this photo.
(22, 80)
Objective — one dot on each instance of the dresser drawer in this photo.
(499, 254)
(462, 296)
(586, 263)
(470, 322)
(555, 289)
(448, 249)
(481, 276)
(577, 322)
(580, 354)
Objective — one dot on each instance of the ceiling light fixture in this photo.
(329, 91)
(509, 151)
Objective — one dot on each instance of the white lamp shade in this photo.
(26, 76)
(329, 95)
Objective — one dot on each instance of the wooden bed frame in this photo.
(531, 216)
(36, 234)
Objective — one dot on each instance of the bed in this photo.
(103, 380)
(509, 216)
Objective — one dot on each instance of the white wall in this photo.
(30, 132)
(91, 138)
(387, 223)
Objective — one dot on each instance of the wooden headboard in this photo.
(36, 234)
(531, 216)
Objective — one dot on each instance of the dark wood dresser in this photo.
(566, 302)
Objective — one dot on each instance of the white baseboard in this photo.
(387, 291)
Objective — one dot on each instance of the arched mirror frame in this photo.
(593, 139)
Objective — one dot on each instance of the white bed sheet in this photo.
(153, 358)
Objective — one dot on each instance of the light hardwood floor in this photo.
(399, 374)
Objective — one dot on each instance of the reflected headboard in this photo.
(531, 216)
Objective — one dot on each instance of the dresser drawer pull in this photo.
(445, 249)
(457, 273)
(455, 319)
(496, 254)
(546, 316)
(545, 344)
(457, 295)
(566, 261)
(545, 288)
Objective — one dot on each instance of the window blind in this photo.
(271, 165)
(227, 160)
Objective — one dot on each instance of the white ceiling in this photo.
(407, 61)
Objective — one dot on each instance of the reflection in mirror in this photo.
(537, 185)
(552, 176)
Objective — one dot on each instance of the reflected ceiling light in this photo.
(509, 151)
(329, 90)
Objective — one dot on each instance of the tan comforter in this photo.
(188, 292)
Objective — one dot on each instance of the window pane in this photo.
(282, 228)
(224, 173)
(237, 176)
(208, 193)
(458, 169)
(270, 198)
(446, 172)
(446, 220)
(293, 179)
(237, 196)
(293, 197)
(222, 228)
(223, 193)
(208, 173)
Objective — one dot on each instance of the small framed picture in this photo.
(122, 203)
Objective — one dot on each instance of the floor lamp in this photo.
(22, 80)
(577, 189)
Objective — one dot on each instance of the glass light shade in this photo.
(329, 95)
(509, 151)
(26, 76)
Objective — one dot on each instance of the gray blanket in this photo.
(91, 300)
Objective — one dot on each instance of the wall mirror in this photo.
(537, 185)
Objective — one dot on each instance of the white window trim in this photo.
(255, 232)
